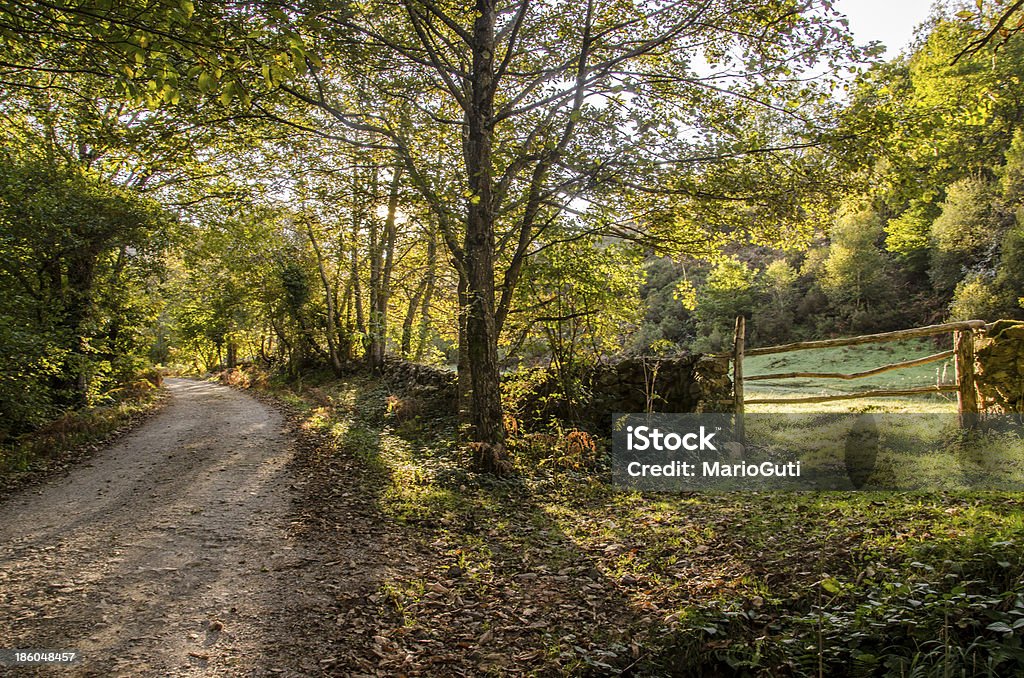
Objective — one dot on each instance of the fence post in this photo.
(967, 394)
(737, 376)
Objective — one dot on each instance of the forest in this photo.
(257, 190)
(296, 193)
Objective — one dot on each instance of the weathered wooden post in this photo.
(967, 393)
(737, 376)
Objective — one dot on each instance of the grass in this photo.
(562, 574)
(920, 444)
(850, 359)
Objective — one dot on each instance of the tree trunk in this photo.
(481, 328)
(428, 296)
(114, 328)
(81, 269)
(382, 261)
(410, 317)
(357, 289)
(464, 370)
(345, 337)
(332, 315)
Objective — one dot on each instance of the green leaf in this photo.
(831, 585)
(206, 82)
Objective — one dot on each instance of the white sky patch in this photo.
(892, 22)
(400, 216)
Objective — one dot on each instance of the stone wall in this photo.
(432, 384)
(687, 384)
(702, 383)
(999, 367)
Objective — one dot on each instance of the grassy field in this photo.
(850, 359)
(916, 450)
(557, 572)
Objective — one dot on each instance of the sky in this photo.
(890, 21)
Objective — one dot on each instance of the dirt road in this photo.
(168, 553)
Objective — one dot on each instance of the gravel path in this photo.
(167, 553)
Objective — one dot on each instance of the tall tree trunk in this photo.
(114, 328)
(332, 315)
(409, 319)
(345, 328)
(481, 328)
(428, 295)
(381, 265)
(464, 369)
(349, 328)
(81, 269)
(357, 289)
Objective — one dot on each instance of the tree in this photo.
(974, 298)
(577, 302)
(966, 234)
(918, 124)
(856, 274)
(773, 321)
(727, 293)
(931, 141)
(508, 121)
(549, 105)
(668, 296)
(1011, 174)
(71, 242)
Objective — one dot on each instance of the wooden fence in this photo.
(962, 354)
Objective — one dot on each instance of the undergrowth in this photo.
(802, 584)
(54, 444)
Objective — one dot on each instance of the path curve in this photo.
(167, 553)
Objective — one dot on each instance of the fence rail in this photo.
(880, 393)
(912, 333)
(855, 375)
(962, 354)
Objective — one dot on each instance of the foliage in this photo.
(855, 273)
(930, 147)
(582, 303)
(343, 196)
(966, 234)
(727, 293)
(800, 584)
(668, 298)
(152, 52)
(908, 233)
(61, 441)
(79, 253)
(992, 25)
(975, 297)
(775, 317)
